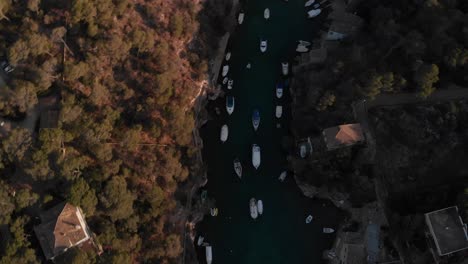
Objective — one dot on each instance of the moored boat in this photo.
(309, 219)
(279, 90)
(225, 80)
(200, 240)
(263, 45)
(285, 68)
(248, 66)
(209, 254)
(253, 208)
(260, 207)
(302, 48)
(230, 104)
(282, 176)
(256, 158)
(266, 13)
(214, 211)
(256, 119)
(238, 167)
(224, 133)
(225, 70)
(303, 150)
(309, 3)
(228, 56)
(240, 18)
(230, 83)
(279, 111)
(328, 230)
(314, 12)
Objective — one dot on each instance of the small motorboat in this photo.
(282, 176)
(279, 90)
(248, 66)
(303, 150)
(225, 80)
(230, 84)
(263, 45)
(240, 18)
(230, 104)
(256, 158)
(256, 119)
(253, 208)
(309, 3)
(214, 211)
(279, 111)
(225, 70)
(238, 167)
(266, 13)
(309, 219)
(260, 207)
(328, 230)
(314, 12)
(228, 56)
(285, 68)
(200, 240)
(302, 48)
(209, 254)
(224, 133)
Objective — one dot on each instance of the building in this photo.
(62, 228)
(448, 233)
(343, 136)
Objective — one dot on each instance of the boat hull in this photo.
(238, 168)
(224, 133)
(253, 208)
(256, 158)
(256, 120)
(230, 102)
(260, 207)
(279, 111)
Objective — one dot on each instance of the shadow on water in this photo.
(280, 235)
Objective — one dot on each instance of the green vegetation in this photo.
(122, 146)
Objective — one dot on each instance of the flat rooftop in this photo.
(448, 230)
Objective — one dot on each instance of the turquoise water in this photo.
(280, 235)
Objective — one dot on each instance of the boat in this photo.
(309, 3)
(248, 66)
(309, 219)
(230, 84)
(240, 18)
(263, 45)
(225, 80)
(230, 104)
(214, 211)
(282, 176)
(302, 48)
(253, 209)
(303, 151)
(266, 13)
(328, 230)
(279, 90)
(224, 133)
(256, 159)
(209, 254)
(314, 12)
(200, 240)
(285, 68)
(225, 70)
(256, 119)
(228, 56)
(260, 207)
(279, 111)
(238, 167)
(305, 43)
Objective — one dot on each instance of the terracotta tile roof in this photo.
(343, 135)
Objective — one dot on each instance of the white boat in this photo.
(200, 240)
(309, 219)
(302, 48)
(256, 158)
(225, 80)
(260, 207)
(238, 167)
(240, 18)
(282, 176)
(228, 56)
(248, 66)
(263, 45)
(224, 133)
(230, 104)
(209, 254)
(230, 84)
(314, 12)
(256, 119)
(309, 3)
(285, 68)
(305, 43)
(225, 70)
(266, 13)
(303, 150)
(279, 111)
(328, 230)
(214, 211)
(253, 208)
(279, 90)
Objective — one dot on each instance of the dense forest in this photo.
(122, 149)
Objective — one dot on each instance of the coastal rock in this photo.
(339, 199)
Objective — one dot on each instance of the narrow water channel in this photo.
(280, 235)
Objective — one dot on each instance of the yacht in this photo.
(200, 240)
(256, 119)
(309, 219)
(230, 104)
(256, 159)
(253, 208)
(282, 176)
(260, 207)
(314, 12)
(266, 13)
(209, 254)
(285, 68)
(225, 70)
(279, 111)
(224, 133)
(230, 84)
(238, 167)
(309, 3)
(228, 56)
(328, 230)
(263, 45)
(279, 90)
(240, 18)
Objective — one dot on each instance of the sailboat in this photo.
(238, 167)
(256, 119)
(256, 159)
(224, 133)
